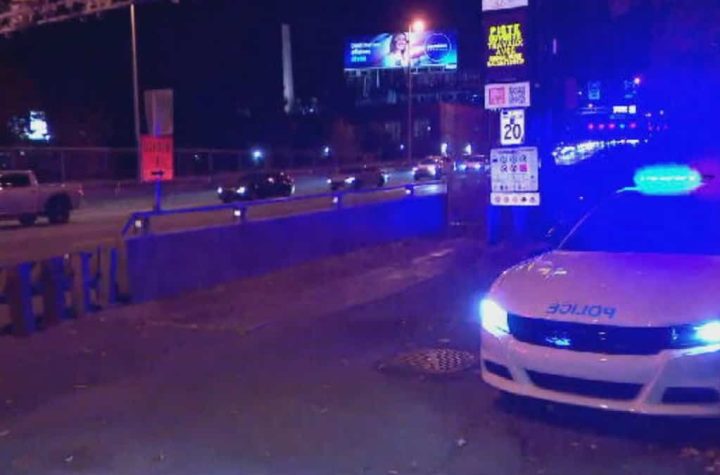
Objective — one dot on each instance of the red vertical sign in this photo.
(157, 158)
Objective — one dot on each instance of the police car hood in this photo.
(631, 290)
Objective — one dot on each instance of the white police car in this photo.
(625, 314)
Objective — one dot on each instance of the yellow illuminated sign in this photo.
(505, 45)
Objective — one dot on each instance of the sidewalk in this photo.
(81, 385)
(277, 376)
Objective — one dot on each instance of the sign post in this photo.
(515, 168)
(157, 163)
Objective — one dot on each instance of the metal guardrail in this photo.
(140, 222)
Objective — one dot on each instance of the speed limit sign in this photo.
(512, 127)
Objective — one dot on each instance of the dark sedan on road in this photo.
(258, 186)
(358, 177)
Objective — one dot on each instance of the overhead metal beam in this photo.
(16, 15)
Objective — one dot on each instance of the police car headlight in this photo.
(494, 318)
(708, 334)
(695, 336)
(220, 190)
(242, 190)
(350, 180)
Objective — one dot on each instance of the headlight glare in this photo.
(708, 333)
(494, 318)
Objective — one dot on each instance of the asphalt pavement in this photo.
(280, 375)
(100, 221)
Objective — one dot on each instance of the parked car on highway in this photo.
(358, 177)
(23, 198)
(432, 168)
(258, 186)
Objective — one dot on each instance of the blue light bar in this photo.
(667, 180)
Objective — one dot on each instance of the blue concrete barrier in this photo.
(166, 265)
(65, 287)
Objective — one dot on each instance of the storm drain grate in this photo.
(431, 361)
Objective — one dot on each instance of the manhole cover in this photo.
(431, 361)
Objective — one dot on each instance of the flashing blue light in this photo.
(667, 180)
(709, 333)
(257, 155)
(494, 318)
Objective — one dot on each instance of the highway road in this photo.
(278, 375)
(100, 221)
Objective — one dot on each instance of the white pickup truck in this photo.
(24, 199)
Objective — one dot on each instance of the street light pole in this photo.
(410, 96)
(136, 88)
(415, 27)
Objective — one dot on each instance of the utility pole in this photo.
(136, 89)
(418, 26)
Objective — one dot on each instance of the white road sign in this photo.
(515, 199)
(488, 5)
(512, 127)
(507, 96)
(515, 176)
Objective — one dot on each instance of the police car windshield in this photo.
(644, 224)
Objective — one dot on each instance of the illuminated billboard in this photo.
(431, 49)
(506, 45)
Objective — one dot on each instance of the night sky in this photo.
(222, 57)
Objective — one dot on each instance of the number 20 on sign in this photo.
(512, 127)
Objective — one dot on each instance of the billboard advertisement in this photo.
(430, 49)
